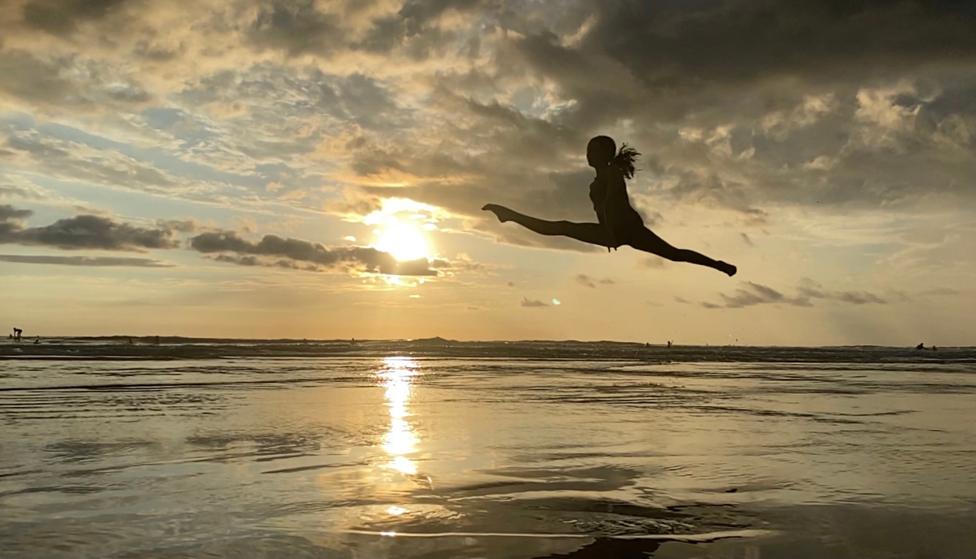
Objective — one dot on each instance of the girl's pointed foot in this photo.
(501, 212)
(727, 268)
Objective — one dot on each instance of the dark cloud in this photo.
(746, 104)
(95, 261)
(668, 57)
(737, 40)
(300, 27)
(33, 79)
(10, 213)
(57, 83)
(296, 27)
(82, 232)
(63, 16)
(10, 218)
(271, 248)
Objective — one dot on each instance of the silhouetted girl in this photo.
(618, 222)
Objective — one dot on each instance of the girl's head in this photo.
(601, 151)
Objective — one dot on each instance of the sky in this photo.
(316, 169)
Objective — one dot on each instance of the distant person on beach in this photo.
(17, 333)
(618, 223)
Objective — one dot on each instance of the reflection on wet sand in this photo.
(551, 458)
(400, 441)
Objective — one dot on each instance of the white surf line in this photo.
(687, 538)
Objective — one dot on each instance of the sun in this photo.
(403, 240)
(399, 229)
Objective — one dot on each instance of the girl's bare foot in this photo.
(501, 212)
(727, 268)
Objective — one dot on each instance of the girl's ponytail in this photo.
(625, 159)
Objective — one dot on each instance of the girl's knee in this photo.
(671, 253)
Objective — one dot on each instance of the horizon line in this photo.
(232, 339)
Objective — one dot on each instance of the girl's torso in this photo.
(608, 193)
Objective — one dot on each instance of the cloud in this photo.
(941, 291)
(756, 294)
(271, 249)
(654, 262)
(810, 289)
(295, 27)
(591, 282)
(82, 232)
(95, 261)
(751, 294)
(98, 232)
(63, 16)
(747, 106)
(10, 213)
(57, 83)
(534, 303)
(78, 161)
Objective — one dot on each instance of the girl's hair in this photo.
(625, 159)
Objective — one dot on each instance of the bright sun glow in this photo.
(404, 240)
(399, 228)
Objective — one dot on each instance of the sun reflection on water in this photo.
(400, 441)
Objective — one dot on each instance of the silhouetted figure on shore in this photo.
(18, 333)
(618, 223)
(920, 346)
(669, 344)
(37, 340)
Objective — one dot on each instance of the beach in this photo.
(439, 449)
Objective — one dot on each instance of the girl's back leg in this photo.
(647, 241)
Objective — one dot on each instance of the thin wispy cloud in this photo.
(93, 261)
(751, 294)
(592, 282)
(299, 254)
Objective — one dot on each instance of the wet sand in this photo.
(465, 451)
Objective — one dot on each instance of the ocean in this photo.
(118, 447)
